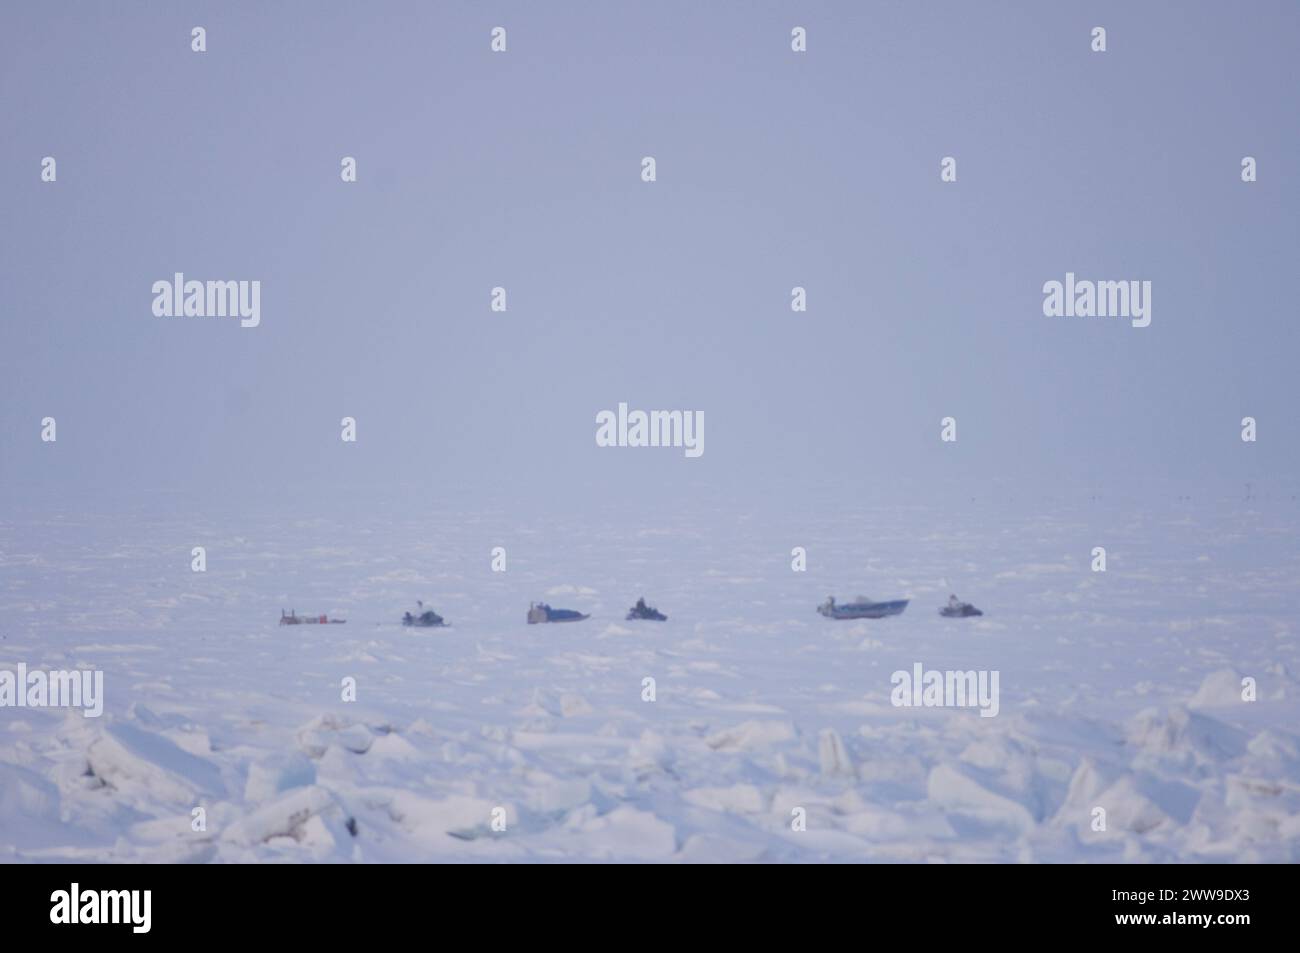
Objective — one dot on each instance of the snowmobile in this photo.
(643, 611)
(427, 619)
(956, 609)
(541, 612)
(861, 608)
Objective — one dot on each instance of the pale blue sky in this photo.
(522, 169)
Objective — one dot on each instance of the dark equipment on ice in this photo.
(956, 609)
(861, 608)
(643, 611)
(541, 612)
(427, 619)
(292, 618)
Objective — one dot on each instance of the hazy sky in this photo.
(522, 169)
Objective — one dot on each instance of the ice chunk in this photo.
(750, 734)
(278, 774)
(315, 737)
(145, 764)
(1183, 731)
(1219, 689)
(834, 757)
(955, 789)
(282, 817)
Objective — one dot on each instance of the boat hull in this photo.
(545, 614)
(866, 610)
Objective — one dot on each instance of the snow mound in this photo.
(1219, 689)
(1183, 732)
(318, 735)
(29, 808)
(625, 833)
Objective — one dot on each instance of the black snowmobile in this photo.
(427, 619)
(956, 609)
(643, 611)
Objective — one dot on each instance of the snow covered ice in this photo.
(1120, 690)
